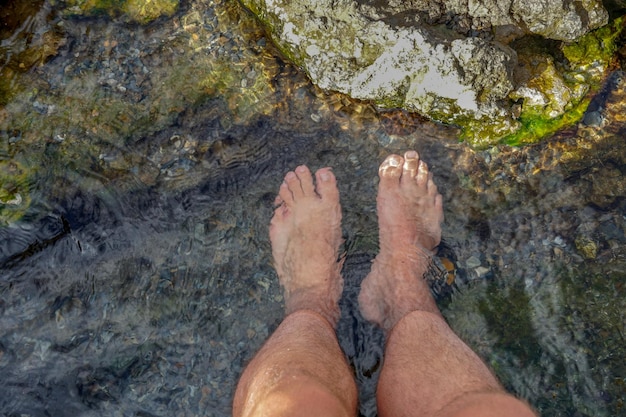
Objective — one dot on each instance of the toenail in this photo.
(411, 155)
(290, 175)
(394, 162)
(324, 176)
(301, 168)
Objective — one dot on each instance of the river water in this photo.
(139, 165)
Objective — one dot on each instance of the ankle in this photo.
(399, 288)
(417, 305)
(328, 309)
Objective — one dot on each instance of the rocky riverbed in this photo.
(138, 166)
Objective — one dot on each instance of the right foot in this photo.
(410, 213)
(305, 233)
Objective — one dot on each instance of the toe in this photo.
(390, 170)
(431, 186)
(411, 162)
(439, 207)
(279, 214)
(306, 180)
(422, 176)
(294, 184)
(326, 184)
(285, 194)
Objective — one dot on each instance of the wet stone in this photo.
(472, 262)
(481, 271)
(593, 118)
(587, 247)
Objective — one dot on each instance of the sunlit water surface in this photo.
(137, 279)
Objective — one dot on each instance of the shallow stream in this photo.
(139, 165)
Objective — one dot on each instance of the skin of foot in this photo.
(305, 233)
(410, 213)
(301, 370)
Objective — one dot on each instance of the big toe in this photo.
(390, 170)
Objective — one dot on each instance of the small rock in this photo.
(593, 118)
(481, 271)
(586, 247)
(472, 262)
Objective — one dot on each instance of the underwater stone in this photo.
(593, 118)
(472, 262)
(145, 11)
(481, 271)
(608, 185)
(586, 247)
(27, 41)
(140, 11)
(15, 199)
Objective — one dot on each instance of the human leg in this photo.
(427, 369)
(301, 370)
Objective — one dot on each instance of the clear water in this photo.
(135, 273)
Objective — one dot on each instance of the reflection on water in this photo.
(138, 279)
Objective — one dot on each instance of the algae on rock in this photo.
(451, 61)
(14, 190)
(140, 11)
(556, 94)
(452, 77)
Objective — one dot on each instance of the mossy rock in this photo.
(577, 75)
(14, 191)
(595, 49)
(139, 11)
(448, 83)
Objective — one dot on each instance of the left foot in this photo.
(305, 233)
(410, 212)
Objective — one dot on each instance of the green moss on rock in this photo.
(145, 11)
(485, 132)
(596, 48)
(8, 86)
(14, 191)
(140, 11)
(564, 95)
(536, 125)
(481, 132)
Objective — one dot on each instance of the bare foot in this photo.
(409, 216)
(305, 233)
